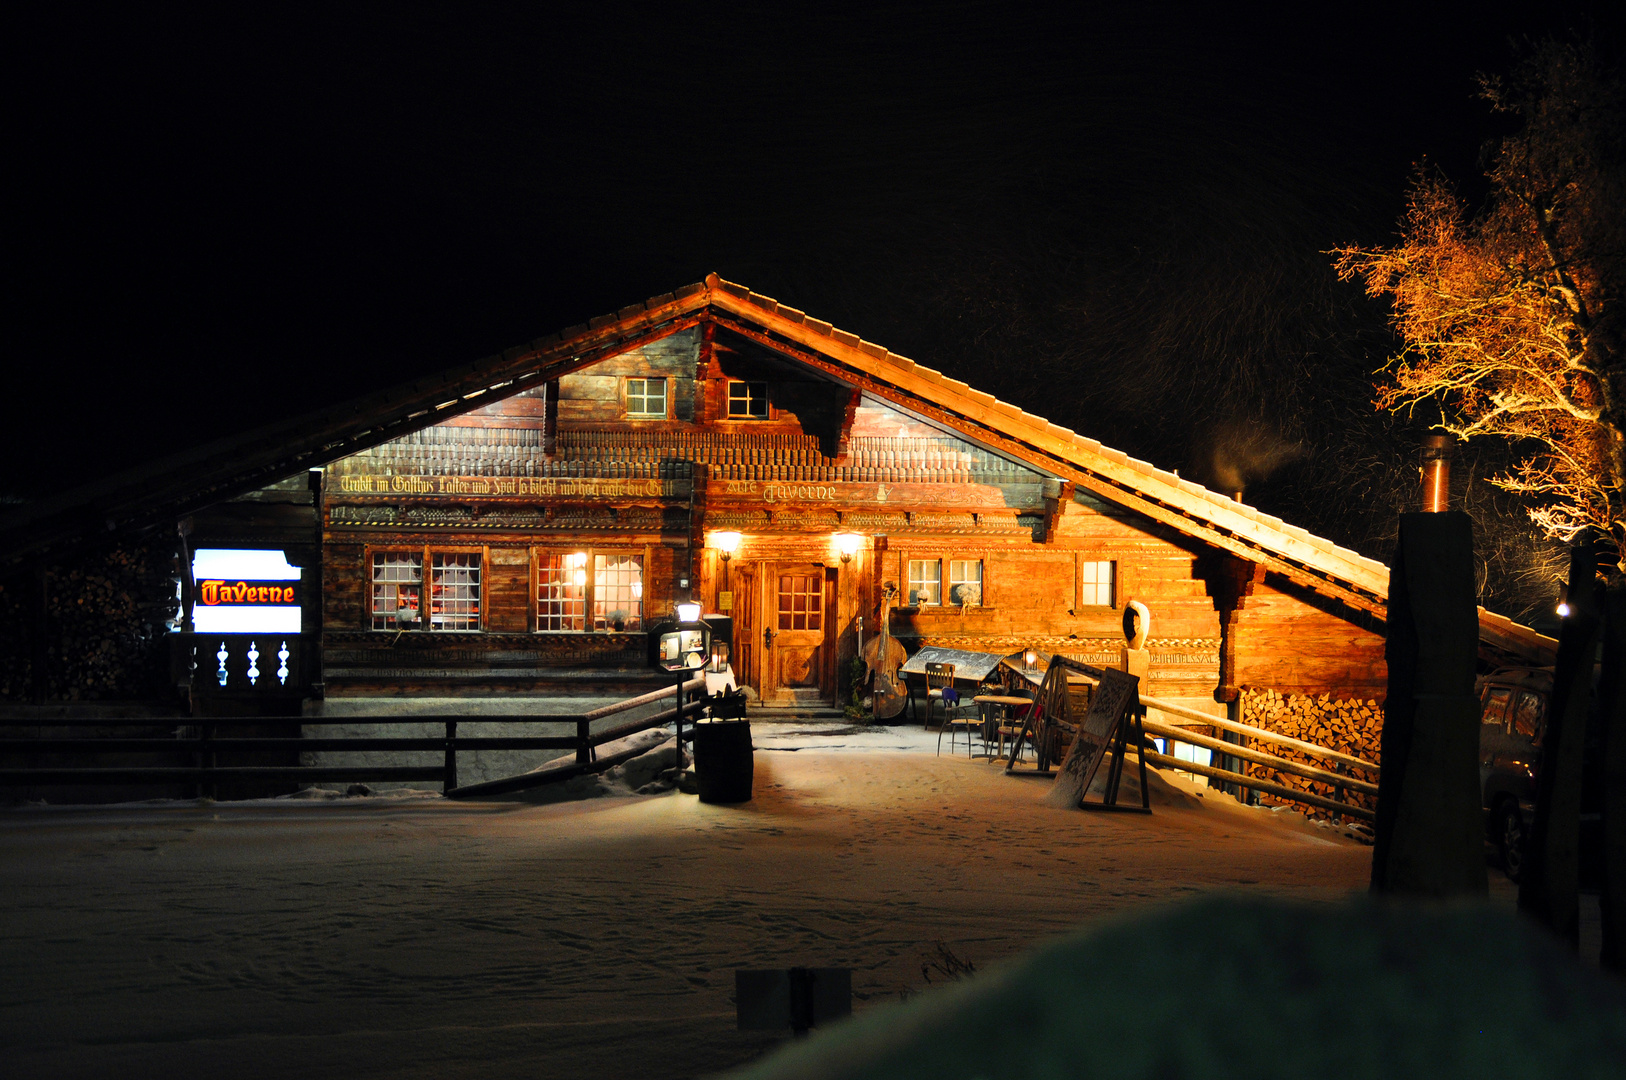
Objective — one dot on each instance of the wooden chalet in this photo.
(518, 525)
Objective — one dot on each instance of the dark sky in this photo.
(227, 215)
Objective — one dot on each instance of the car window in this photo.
(1495, 710)
(1527, 714)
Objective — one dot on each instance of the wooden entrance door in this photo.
(798, 627)
(747, 626)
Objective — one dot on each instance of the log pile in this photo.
(1349, 725)
(105, 619)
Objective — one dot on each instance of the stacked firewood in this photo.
(105, 618)
(1348, 725)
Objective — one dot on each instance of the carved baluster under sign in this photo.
(221, 656)
(253, 663)
(282, 671)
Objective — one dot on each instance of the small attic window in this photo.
(747, 400)
(646, 398)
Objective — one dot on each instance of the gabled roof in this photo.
(171, 487)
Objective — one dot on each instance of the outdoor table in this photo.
(987, 702)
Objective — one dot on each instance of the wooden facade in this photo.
(638, 459)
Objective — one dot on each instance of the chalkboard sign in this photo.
(1117, 697)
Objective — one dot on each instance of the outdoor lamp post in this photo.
(848, 544)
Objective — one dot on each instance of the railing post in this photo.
(207, 785)
(450, 782)
(679, 692)
(584, 749)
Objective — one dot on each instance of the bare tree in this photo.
(1510, 316)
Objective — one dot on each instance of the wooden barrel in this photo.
(723, 762)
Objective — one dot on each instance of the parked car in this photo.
(1513, 704)
(1512, 720)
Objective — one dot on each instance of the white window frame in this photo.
(1098, 578)
(594, 616)
(425, 584)
(957, 579)
(914, 584)
(747, 398)
(642, 395)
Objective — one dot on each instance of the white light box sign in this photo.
(245, 591)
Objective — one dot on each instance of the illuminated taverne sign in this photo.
(245, 591)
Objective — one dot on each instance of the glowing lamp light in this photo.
(688, 611)
(1563, 609)
(726, 543)
(848, 544)
(1030, 659)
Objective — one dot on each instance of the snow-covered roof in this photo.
(179, 484)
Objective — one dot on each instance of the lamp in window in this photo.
(578, 562)
(848, 544)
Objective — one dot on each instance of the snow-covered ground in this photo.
(411, 936)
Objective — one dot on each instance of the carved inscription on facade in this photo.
(906, 495)
(555, 487)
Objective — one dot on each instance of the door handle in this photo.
(768, 636)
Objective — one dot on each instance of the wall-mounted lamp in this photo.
(1563, 601)
(726, 544)
(848, 544)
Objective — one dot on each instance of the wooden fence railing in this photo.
(199, 739)
(1339, 781)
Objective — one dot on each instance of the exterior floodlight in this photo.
(688, 611)
(1563, 601)
(848, 544)
(726, 543)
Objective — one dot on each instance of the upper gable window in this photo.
(646, 398)
(747, 400)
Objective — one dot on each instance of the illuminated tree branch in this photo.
(1510, 317)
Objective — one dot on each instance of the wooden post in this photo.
(584, 749)
(1430, 834)
(450, 782)
(680, 678)
(1549, 882)
(1612, 711)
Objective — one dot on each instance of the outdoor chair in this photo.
(940, 687)
(1010, 726)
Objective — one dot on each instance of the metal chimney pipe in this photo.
(1436, 472)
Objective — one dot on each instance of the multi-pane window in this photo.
(925, 582)
(573, 587)
(748, 400)
(646, 397)
(454, 591)
(618, 592)
(561, 591)
(1096, 581)
(397, 588)
(801, 602)
(398, 594)
(965, 582)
